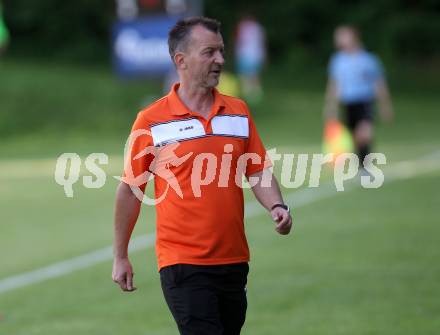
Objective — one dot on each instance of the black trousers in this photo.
(206, 299)
(357, 112)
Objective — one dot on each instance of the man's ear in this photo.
(179, 60)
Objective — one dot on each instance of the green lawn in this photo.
(359, 262)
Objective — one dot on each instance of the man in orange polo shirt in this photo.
(198, 144)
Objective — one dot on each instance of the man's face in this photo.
(345, 39)
(203, 57)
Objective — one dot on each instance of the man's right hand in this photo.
(123, 274)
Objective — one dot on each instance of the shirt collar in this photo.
(177, 107)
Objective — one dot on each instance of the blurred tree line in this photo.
(297, 30)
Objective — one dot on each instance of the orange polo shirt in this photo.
(197, 165)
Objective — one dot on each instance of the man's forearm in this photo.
(384, 100)
(127, 209)
(331, 101)
(267, 195)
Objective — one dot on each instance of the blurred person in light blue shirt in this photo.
(356, 81)
(356, 75)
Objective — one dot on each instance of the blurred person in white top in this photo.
(250, 54)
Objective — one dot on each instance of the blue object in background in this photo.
(140, 46)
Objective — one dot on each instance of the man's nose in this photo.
(219, 58)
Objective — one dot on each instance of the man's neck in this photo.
(197, 99)
(354, 49)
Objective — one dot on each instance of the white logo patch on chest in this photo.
(230, 125)
(178, 130)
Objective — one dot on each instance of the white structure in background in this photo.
(175, 7)
(127, 9)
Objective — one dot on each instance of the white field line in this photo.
(303, 197)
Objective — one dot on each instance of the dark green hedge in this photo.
(298, 30)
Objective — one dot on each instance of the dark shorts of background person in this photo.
(357, 112)
(206, 299)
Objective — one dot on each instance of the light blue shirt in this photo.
(355, 75)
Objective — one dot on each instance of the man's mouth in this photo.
(217, 71)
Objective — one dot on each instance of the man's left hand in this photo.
(283, 220)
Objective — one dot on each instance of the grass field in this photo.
(358, 262)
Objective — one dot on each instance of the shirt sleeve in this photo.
(256, 147)
(139, 153)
